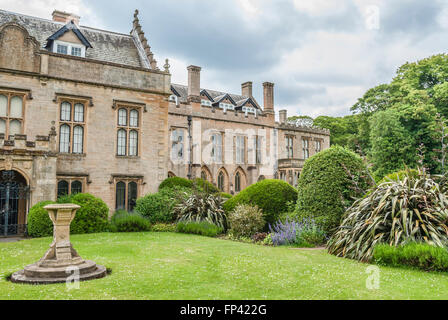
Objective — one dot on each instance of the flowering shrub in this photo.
(246, 220)
(304, 233)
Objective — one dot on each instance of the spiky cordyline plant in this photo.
(395, 212)
(201, 206)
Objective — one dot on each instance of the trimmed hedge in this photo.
(201, 228)
(176, 182)
(92, 217)
(123, 221)
(201, 184)
(329, 183)
(39, 223)
(271, 196)
(415, 255)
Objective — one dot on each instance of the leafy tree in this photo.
(392, 146)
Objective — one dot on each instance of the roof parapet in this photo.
(138, 33)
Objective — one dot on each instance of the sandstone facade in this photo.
(90, 110)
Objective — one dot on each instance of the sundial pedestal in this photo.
(61, 260)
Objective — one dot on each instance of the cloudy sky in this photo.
(321, 54)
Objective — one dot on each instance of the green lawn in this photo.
(175, 266)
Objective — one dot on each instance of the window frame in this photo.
(7, 118)
(240, 150)
(174, 150)
(128, 129)
(70, 47)
(70, 180)
(72, 124)
(289, 146)
(306, 148)
(216, 153)
(127, 181)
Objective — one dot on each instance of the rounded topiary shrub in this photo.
(92, 217)
(159, 207)
(39, 223)
(329, 183)
(205, 185)
(176, 182)
(271, 196)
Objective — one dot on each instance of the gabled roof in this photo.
(245, 102)
(205, 93)
(69, 26)
(173, 90)
(223, 97)
(215, 96)
(107, 46)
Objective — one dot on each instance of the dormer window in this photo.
(69, 49)
(68, 40)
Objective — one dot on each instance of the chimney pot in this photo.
(65, 17)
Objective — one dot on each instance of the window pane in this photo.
(16, 107)
(132, 196)
(2, 126)
(177, 147)
(76, 187)
(133, 118)
(121, 142)
(76, 51)
(79, 112)
(15, 127)
(66, 111)
(133, 143)
(78, 135)
(3, 105)
(221, 181)
(122, 117)
(62, 188)
(237, 182)
(120, 196)
(62, 49)
(64, 139)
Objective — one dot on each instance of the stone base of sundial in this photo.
(61, 263)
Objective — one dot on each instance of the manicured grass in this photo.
(176, 266)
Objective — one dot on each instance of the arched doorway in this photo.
(14, 199)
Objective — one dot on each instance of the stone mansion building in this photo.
(88, 110)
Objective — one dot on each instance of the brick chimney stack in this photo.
(194, 84)
(65, 17)
(246, 89)
(268, 95)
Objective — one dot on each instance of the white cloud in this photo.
(318, 7)
(44, 9)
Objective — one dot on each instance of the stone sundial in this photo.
(61, 259)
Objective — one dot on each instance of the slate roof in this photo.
(182, 92)
(107, 46)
